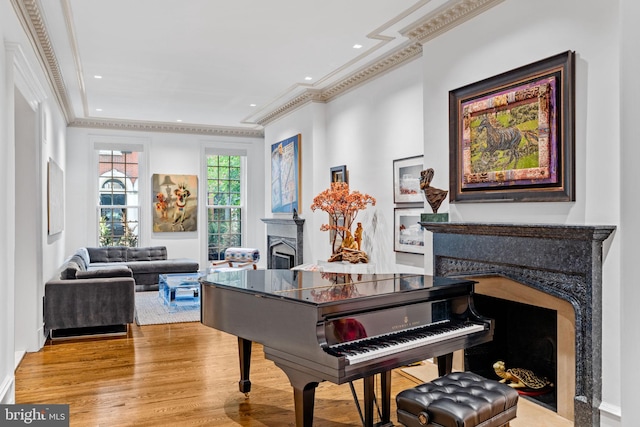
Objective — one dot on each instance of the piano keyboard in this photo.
(371, 348)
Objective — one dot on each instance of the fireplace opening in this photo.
(525, 336)
(283, 261)
(282, 254)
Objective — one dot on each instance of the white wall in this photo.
(307, 121)
(364, 129)
(516, 33)
(629, 232)
(7, 215)
(42, 127)
(163, 153)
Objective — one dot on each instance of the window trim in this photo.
(112, 143)
(243, 193)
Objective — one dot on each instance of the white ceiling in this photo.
(204, 62)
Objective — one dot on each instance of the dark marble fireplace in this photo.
(284, 242)
(564, 261)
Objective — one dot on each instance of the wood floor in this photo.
(185, 374)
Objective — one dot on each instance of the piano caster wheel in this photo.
(246, 395)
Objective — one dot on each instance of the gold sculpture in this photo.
(519, 377)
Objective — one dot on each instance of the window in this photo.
(119, 208)
(224, 204)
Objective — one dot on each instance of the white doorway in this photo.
(28, 239)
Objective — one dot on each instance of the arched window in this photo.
(118, 191)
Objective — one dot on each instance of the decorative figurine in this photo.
(520, 378)
(434, 196)
(348, 242)
(358, 236)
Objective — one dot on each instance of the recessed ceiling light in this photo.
(308, 78)
(252, 105)
(179, 120)
(357, 46)
(98, 109)
(97, 77)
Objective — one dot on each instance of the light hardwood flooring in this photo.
(187, 374)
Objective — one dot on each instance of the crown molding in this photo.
(143, 126)
(399, 56)
(396, 58)
(441, 20)
(445, 18)
(30, 17)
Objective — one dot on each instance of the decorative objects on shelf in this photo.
(511, 136)
(343, 206)
(434, 196)
(285, 175)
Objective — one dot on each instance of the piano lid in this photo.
(315, 287)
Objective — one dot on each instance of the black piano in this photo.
(342, 327)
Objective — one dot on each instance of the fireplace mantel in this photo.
(561, 260)
(549, 231)
(285, 231)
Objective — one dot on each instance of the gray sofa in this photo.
(145, 264)
(96, 287)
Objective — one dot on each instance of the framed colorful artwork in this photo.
(285, 175)
(511, 136)
(175, 204)
(408, 235)
(406, 180)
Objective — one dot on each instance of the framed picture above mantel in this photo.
(285, 175)
(511, 136)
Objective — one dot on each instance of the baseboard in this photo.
(8, 390)
(19, 355)
(610, 412)
(42, 338)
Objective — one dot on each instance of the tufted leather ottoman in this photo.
(459, 399)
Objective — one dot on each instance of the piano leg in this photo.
(244, 350)
(385, 385)
(445, 364)
(369, 398)
(385, 399)
(304, 401)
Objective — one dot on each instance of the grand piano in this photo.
(342, 327)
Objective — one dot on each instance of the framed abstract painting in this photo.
(285, 175)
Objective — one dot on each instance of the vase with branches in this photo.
(343, 206)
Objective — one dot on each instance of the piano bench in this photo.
(457, 399)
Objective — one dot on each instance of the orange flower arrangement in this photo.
(342, 205)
